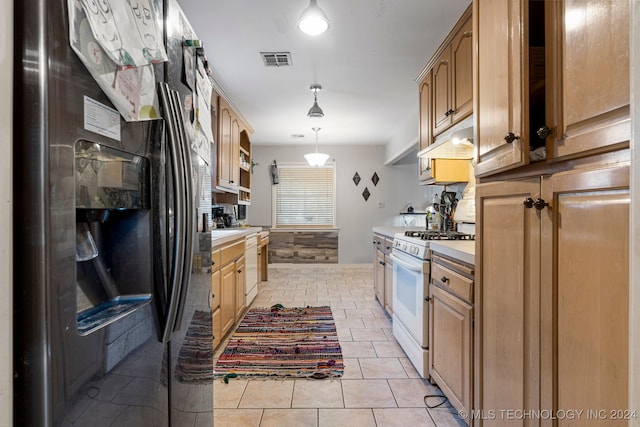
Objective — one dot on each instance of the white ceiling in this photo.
(367, 64)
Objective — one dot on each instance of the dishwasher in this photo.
(251, 267)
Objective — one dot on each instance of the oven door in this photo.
(410, 290)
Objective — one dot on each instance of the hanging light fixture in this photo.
(315, 110)
(313, 20)
(316, 159)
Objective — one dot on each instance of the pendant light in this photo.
(316, 159)
(313, 20)
(315, 111)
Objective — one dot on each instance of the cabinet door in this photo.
(441, 92)
(228, 299)
(462, 73)
(224, 145)
(216, 290)
(379, 276)
(507, 301)
(450, 346)
(217, 328)
(585, 276)
(501, 91)
(588, 50)
(426, 119)
(241, 287)
(388, 285)
(234, 156)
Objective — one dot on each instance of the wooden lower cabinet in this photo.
(379, 276)
(585, 299)
(228, 297)
(241, 288)
(383, 271)
(217, 328)
(450, 346)
(388, 285)
(216, 294)
(552, 296)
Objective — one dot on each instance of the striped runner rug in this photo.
(299, 342)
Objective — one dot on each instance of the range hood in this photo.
(455, 143)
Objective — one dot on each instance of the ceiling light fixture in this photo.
(313, 20)
(316, 159)
(315, 110)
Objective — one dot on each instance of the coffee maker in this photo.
(218, 217)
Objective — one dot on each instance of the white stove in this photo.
(411, 274)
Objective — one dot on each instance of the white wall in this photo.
(6, 260)
(634, 260)
(398, 186)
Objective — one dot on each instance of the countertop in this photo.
(220, 236)
(390, 231)
(463, 250)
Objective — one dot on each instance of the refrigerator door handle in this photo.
(175, 273)
(189, 209)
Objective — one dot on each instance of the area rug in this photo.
(195, 359)
(298, 342)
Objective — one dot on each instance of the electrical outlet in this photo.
(381, 205)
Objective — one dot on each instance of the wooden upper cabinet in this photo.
(233, 142)
(453, 78)
(462, 73)
(235, 153)
(225, 145)
(442, 92)
(588, 68)
(426, 125)
(500, 98)
(426, 122)
(552, 75)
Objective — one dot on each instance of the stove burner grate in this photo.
(439, 235)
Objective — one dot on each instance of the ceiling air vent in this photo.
(276, 59)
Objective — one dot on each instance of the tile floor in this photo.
(379, 387)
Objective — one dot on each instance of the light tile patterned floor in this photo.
(379, 388)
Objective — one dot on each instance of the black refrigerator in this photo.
(112, 257)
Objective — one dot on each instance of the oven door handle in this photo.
(409, 266)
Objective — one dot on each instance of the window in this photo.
(305, 197)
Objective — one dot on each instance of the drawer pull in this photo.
(444, 279)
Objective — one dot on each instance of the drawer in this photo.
(231, 253)
(215, 260)
(452, 281)
(388, 245)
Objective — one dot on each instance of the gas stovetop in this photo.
(439, 235)
(416, 243)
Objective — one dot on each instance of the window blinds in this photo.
(305, 197)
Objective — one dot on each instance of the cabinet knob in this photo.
(543, 132)
(239, 271)
(381, 263)
(528, 203)
(510, 137)
(540, 204)
(448, 113)
(444, 279)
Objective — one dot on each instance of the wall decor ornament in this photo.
(366, 194)
(356, 178)
(375, 178)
